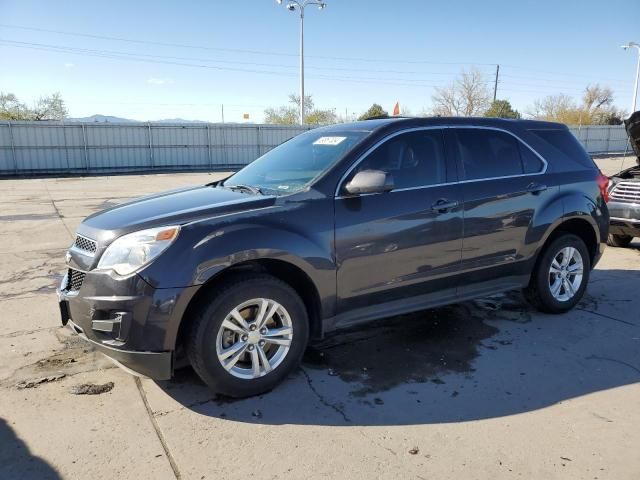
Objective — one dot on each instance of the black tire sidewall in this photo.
(547, 300)
(620, 241)
(202, 348)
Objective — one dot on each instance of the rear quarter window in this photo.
(564, 142)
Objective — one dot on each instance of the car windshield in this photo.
(293, 165)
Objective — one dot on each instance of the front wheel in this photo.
(249, 337)
(561, 275)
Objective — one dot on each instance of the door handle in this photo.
(536, 188)
(443, 205)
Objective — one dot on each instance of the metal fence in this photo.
(601, 138)
(46, 148)
(28, 148)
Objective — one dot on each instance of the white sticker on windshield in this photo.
(329, 141)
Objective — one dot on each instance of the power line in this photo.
(236, 50)
(261, 52)
(84, 52)
(215, 60)
(164, 59)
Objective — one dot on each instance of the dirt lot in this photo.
(487, 389)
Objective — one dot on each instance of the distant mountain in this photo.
(177, 120)
(111, 119)
(100, 119)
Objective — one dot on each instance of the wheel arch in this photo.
(285, 271)
(581, 226)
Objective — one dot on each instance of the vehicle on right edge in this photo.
(624, 193)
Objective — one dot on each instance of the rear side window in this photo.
(531, 163)
(488, 153)
(565, 143)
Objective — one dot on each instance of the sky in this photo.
(151, 60)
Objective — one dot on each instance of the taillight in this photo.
(603, 185)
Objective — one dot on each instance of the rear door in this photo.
(396, 245)
(503, 187)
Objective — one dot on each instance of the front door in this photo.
(406, 242)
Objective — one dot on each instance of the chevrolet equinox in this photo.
(337, 226)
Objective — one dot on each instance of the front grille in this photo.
(626, 192)
(74, 280)
(85, 244)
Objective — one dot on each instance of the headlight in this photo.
(134, 250)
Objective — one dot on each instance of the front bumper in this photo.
(625, 218)
(126, 319)
(156, 365)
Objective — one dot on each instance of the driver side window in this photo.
(413, 159)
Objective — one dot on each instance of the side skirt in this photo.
(422, 302)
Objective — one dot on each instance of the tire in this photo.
(207, 338)
(621, 241)
(539, 292)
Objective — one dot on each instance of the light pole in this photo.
(300, 5)
(635, 88)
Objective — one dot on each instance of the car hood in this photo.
(632, 124)
(174, 207)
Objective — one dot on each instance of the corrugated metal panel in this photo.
(56, 147)
(601, 138)
(119, 157)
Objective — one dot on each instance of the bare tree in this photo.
(596, 97)
(553, 107)
(289, 114)
(46, 108)
(49, 108)
(466, 96)
(596, 108)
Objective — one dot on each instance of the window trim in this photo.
(518, 139)
(359, 160)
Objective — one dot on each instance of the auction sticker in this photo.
(332, 141)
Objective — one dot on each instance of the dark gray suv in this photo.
(335, 227)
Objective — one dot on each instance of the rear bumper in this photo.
(156, 365)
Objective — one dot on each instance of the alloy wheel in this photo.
(254, 338)
(565, 274)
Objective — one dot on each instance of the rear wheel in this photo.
(561, 275)
(621, 241)
(249, 336)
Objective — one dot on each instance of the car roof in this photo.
(378, 123)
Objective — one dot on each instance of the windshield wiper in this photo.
(245, 188)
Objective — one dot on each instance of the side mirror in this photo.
(369, 181)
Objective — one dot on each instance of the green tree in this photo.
(290, 114)
(11, 108)
(374, 111)
(502, 109)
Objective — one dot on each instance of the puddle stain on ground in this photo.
(415, 348)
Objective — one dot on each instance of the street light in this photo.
(635, 88)
(300, 5)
